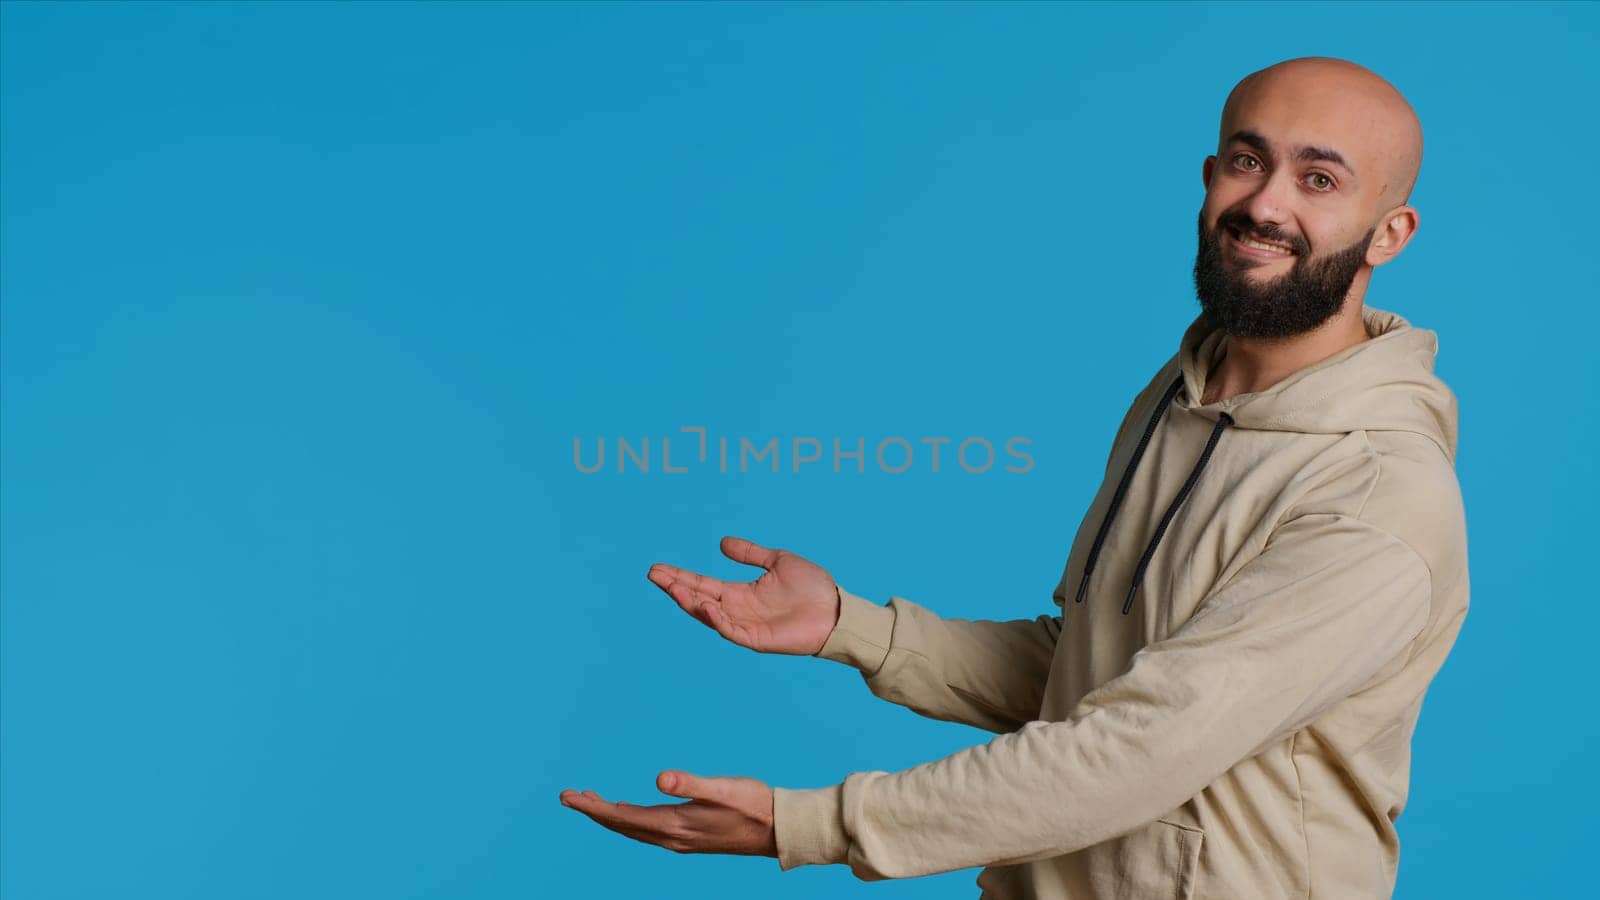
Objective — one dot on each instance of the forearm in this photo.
(988, 674)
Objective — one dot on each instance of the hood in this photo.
(1385, 383)
(1382, 384)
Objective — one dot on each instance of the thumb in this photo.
(693, 787)
(751, 554)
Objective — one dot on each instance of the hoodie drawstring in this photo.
(1223, 421)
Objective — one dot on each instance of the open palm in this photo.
(791, 608)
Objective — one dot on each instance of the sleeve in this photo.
(1328, 606)
(983, 673)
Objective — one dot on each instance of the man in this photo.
(1266, 583)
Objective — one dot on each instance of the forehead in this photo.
(1294, 114)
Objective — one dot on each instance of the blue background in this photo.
(304, 306)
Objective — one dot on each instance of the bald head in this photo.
(1337, 105)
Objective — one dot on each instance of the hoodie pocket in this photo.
(1160, 861)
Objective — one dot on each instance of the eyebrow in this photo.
(1304, 153)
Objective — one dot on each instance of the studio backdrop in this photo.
(359, 359)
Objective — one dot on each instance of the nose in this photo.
(1270, 202)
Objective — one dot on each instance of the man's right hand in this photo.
(790, 609)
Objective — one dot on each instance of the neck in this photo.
(1255, 364)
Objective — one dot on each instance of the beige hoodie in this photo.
(1223, 704)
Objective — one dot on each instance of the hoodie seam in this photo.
(1300, 796)
(1378, 457)
(870, 643)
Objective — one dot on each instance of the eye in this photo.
(1246, 162)
(1320, 181)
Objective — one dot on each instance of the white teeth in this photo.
(1260, 246)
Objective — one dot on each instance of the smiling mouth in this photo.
(1259, 248)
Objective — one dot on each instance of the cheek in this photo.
(1219, 199)
(1327, 229)
(1327, 237)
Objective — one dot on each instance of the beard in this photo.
(1309, 294)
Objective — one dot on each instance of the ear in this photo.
(1394, 231)
(1205, 170)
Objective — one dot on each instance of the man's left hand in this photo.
(723, 815)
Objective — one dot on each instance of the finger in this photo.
(751, 554)
(594, 798)
(696, 603)
(651, 824)
(714, 616)
(694, 787)
(667, 577)
(700, 603)
(661, 574)
(602, 816)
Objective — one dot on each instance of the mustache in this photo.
(1266, 231)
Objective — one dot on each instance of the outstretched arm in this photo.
(1327, 609)
(987, 674)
